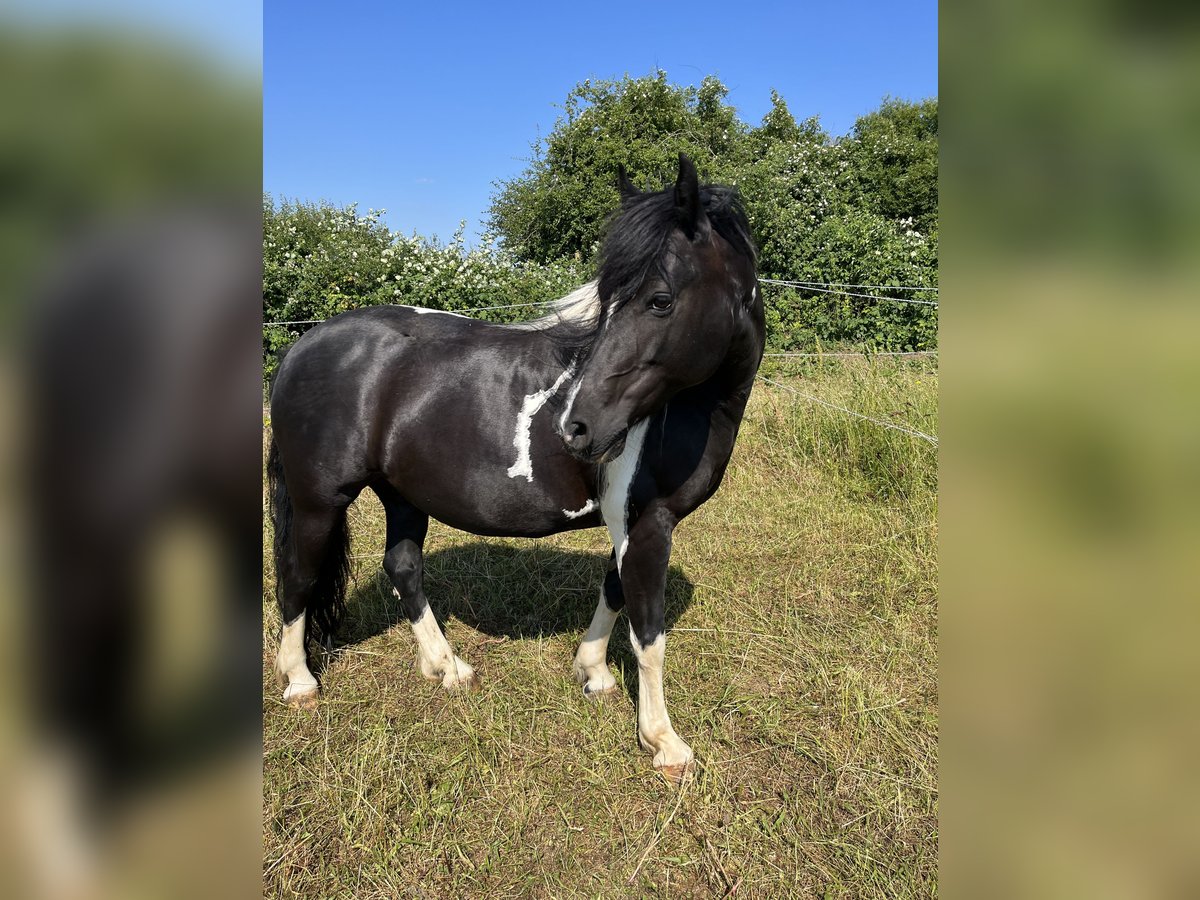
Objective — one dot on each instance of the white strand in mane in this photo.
(581, 306)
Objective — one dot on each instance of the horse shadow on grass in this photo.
(508, 592)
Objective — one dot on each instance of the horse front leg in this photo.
(643, 573)
(591, 661)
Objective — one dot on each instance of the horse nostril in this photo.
(576, 430)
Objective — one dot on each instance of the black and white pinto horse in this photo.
(620, 408)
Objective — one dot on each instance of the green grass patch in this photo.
(801, 667)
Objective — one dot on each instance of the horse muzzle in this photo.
(581, 444)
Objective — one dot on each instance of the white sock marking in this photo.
(588, 507)
(436, 659)
(291, 660)
(654, 725)
(591, 660)
(533, 402)
(616, 480)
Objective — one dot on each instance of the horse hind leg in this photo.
(310, 587)
(404, 564)
(591, 661)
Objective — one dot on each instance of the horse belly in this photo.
(485, 474)
(480, 503)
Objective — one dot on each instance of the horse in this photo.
(620, 408)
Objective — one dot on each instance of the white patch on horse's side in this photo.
(588, 507)
(581, 306)
(574, 392)
(533, 402)
(434, 656)
(616, 480)
(654, 725)
(591, 660)
(421, 310)
(292, 663)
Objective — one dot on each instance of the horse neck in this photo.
(541, 355)
(736, 375)
(728, 389)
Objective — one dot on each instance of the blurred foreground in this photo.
(1069, 477)
(130, 391)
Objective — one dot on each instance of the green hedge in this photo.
(320, 260)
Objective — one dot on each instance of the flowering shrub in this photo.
(320, 260)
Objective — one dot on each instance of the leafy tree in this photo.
(894, 161)
(558, 206)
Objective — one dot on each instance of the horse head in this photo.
(678, 294)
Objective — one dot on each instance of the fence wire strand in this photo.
(883, 422)
(867, 354)
(460, 312)
(804, 288)
(820, 287)
(861, 287)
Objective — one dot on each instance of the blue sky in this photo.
(419, 107)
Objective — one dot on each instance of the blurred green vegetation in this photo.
(98, 125)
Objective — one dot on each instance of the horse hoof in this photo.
(306, 701)
(471, 685)
(678, 773)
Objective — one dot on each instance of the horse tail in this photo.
(280, 506)
(326, 603)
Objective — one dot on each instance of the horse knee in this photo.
(403, 567)
(614, 594)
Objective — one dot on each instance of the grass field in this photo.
(801, 667)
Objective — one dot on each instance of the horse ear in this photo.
(624, 185)
(687, 197)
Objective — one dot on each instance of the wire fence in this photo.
(820, 287)
(803, 286)
(457, 312)
(864, 353)
(861, 287)
(850, 412)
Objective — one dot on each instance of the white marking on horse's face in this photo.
(616, 479)
(292, 663)
(533, 402)
(588, 507)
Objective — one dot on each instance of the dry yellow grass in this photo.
(801, 667)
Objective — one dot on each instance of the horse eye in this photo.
(661, 302)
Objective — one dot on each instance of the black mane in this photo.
(635, 240)
(637, 235)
